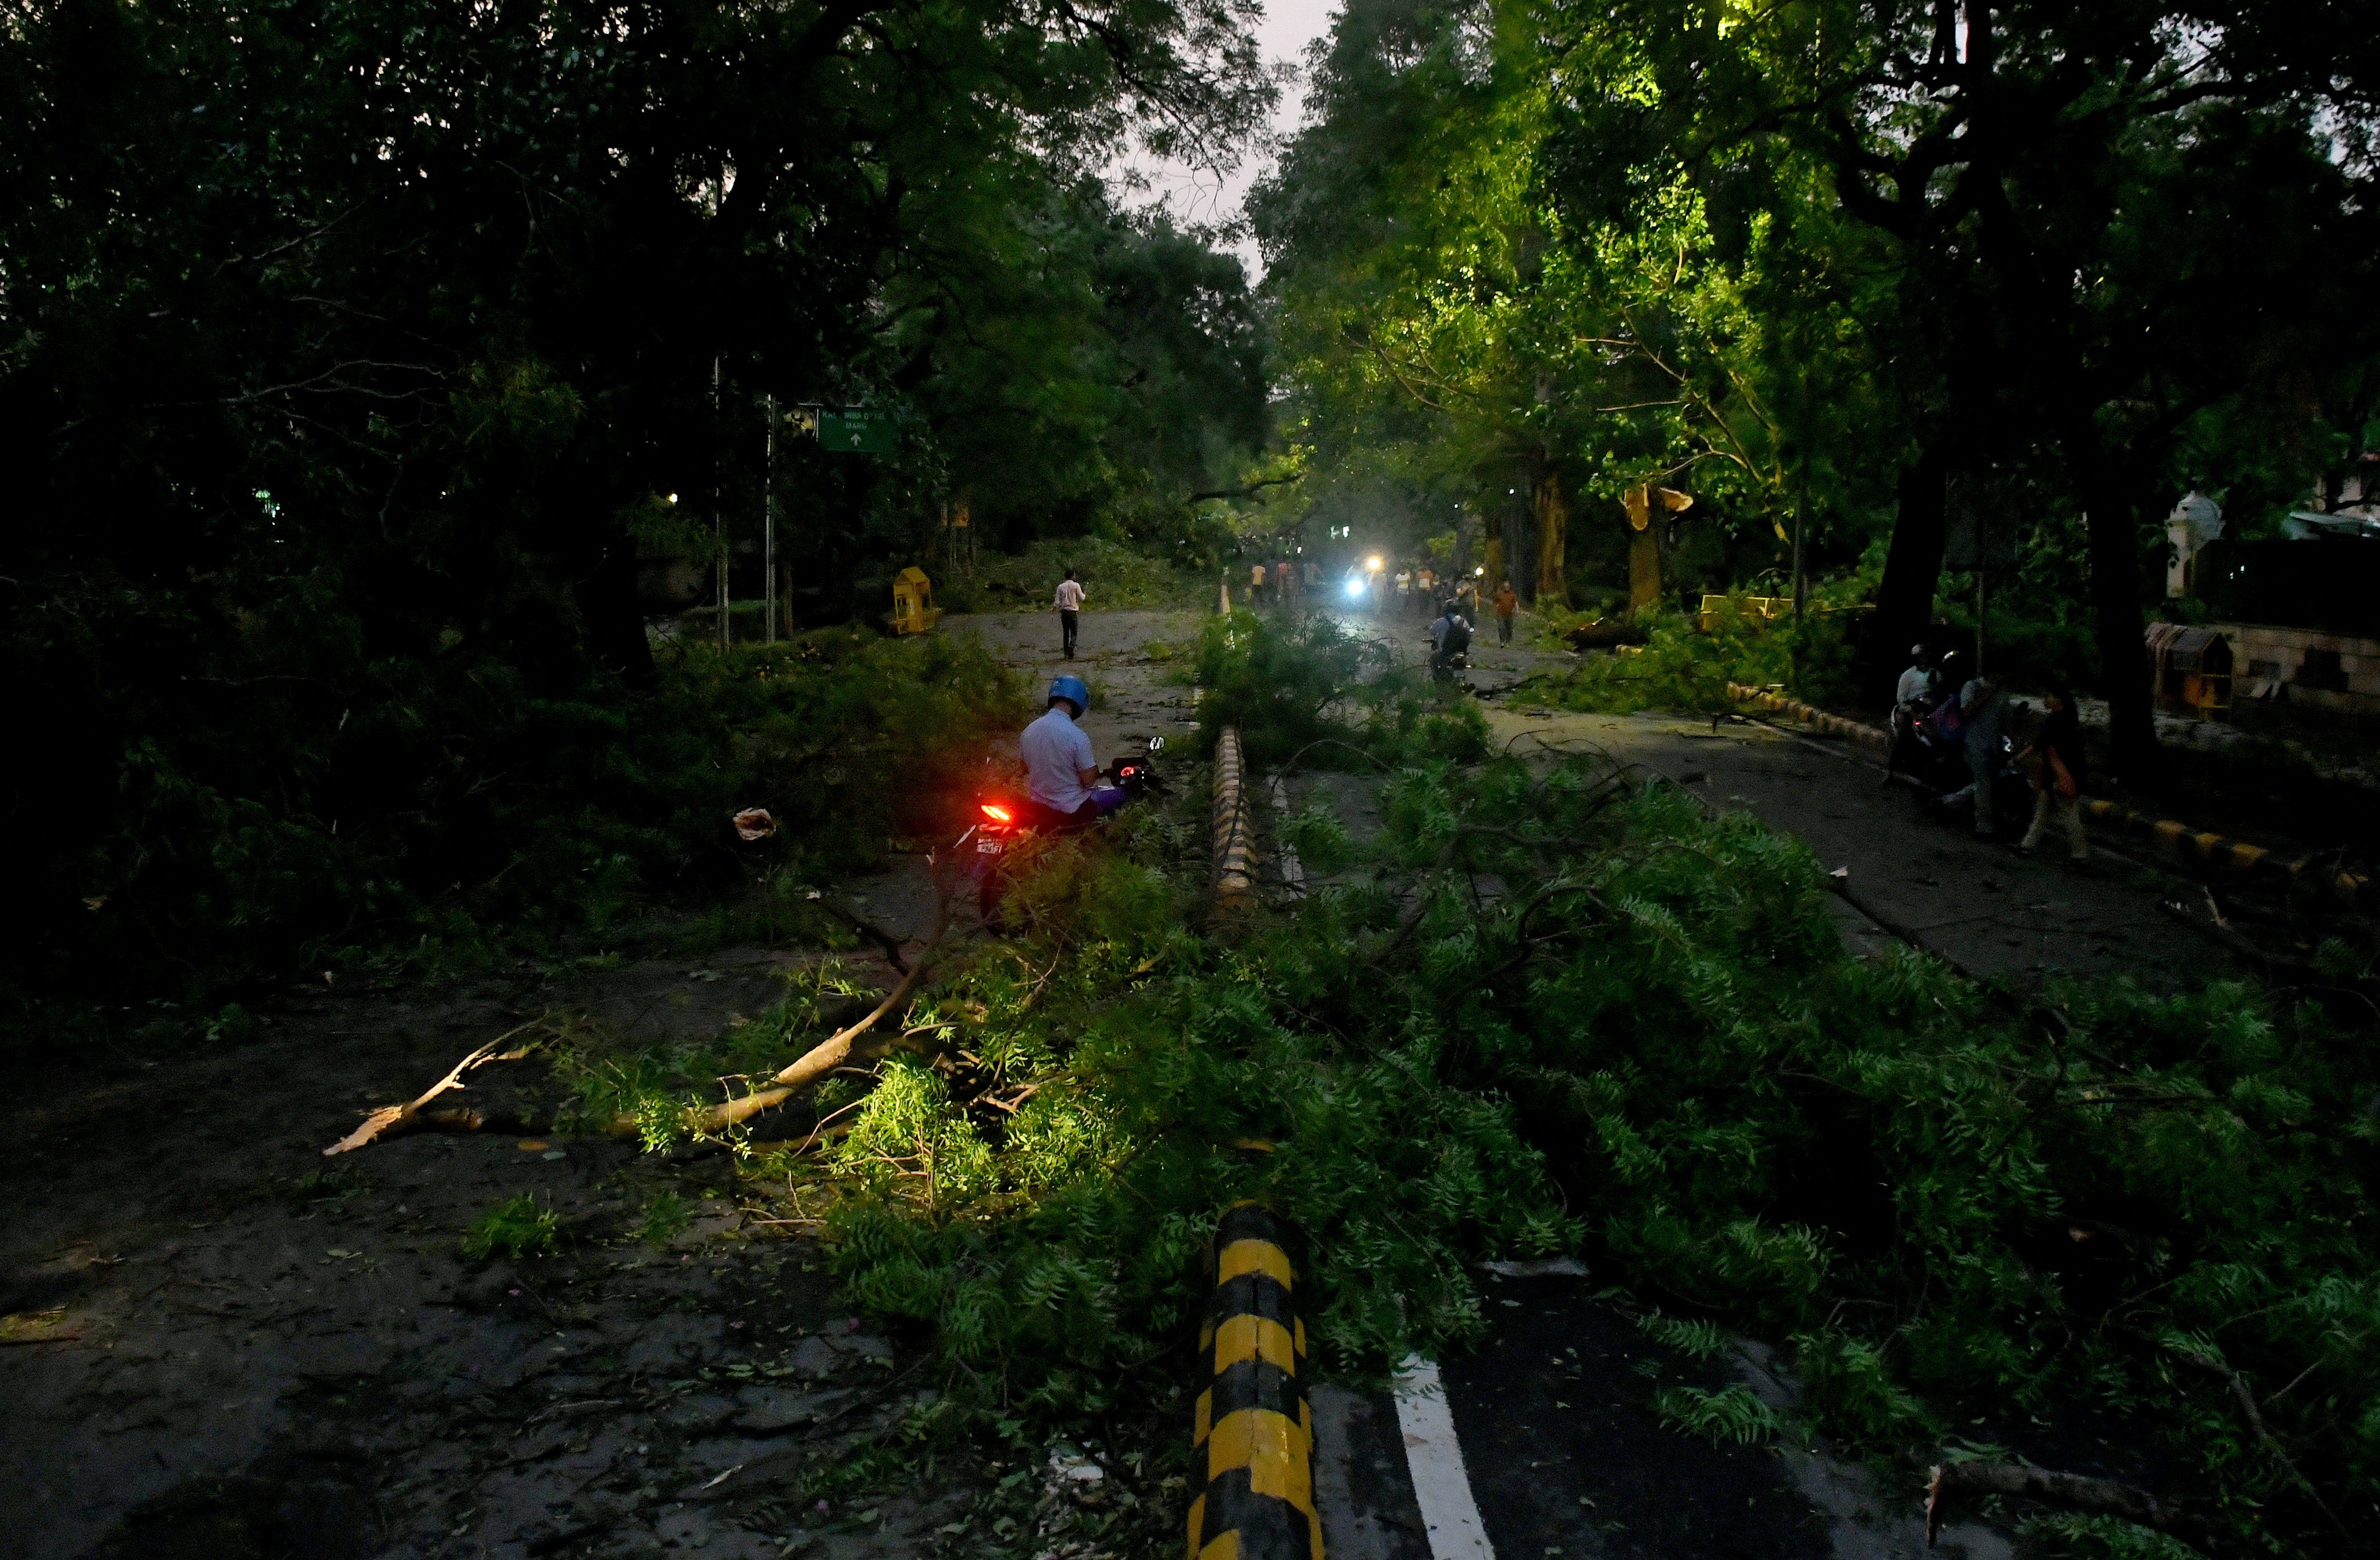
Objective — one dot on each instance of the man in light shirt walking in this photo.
(1069, 603)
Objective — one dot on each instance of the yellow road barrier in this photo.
(1253, 1422)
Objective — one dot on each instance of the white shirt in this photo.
(1914, 683)
(1070, 595)
(1056, 751)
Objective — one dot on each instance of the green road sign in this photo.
(856, 430)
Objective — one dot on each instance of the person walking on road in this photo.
(1980, 712)
(2056, 753)
(1255, 583)
(1069, 603)
(1281, 583)
(1507, 601)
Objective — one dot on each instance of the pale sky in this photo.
(1199, 195)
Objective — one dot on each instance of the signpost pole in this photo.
(769, 530)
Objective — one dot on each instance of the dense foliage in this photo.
(2054, 1233)
(450, 810)
(1692, 663)
(1318, 692)
(1998, 283)
(355, 357)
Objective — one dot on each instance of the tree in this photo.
(1458, 277)
(2063, 189)
(354, 348)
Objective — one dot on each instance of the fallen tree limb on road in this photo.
(2074, 1491)
(396, 1121)
(798, 1075)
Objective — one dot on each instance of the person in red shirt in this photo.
(1506, 601)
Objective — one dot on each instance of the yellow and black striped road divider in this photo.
(1253, 1422)
(1234, 879)
(1834, 725)
(1234, 849)
(2191, 846)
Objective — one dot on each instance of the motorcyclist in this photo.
(1058, 757)
(1911, 699)
(1449, 635)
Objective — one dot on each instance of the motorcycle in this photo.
(1454, 657)
(1007, 818)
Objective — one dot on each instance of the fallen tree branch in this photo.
(821, 1058)
(798, 1075)
(2076, 1493)
(869, 930)
(391, 1121)
(2255, 1418)
(394, 1121)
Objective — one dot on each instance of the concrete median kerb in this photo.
(1253, 1422)
(1234, 879)
(2185, 844)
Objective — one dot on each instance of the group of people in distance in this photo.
(1934, 706)
(1282, 581)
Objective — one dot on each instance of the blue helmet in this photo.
(1072, 688)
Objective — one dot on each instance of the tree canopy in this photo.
(1839, 266)
(355, 349)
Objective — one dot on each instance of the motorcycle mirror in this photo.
(1157, 744)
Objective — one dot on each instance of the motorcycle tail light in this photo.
(997, 813)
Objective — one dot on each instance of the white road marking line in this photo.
(1434, 1457)
(1293, 871)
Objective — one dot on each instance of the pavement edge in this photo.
(2179, 840)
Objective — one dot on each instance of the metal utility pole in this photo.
(718, 512)
(768, 530)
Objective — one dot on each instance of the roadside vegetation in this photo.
(461, 816)
(1679, 663)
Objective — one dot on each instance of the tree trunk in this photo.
(1516, 550)
(1912, 569)
(2112, 516)
(613, 619)
(1644, 566)
(1552, 509)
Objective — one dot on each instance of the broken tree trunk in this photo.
(2075, 1492)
